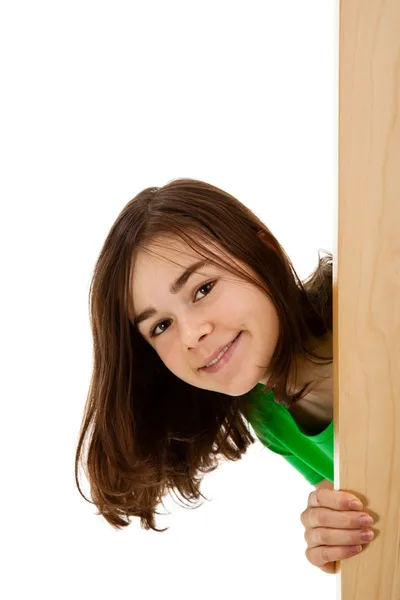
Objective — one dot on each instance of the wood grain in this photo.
(366, 294)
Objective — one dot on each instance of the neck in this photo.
(320, 373)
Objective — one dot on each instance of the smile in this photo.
(224, 357)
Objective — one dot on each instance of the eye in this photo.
(204, 285)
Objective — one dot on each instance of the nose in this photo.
(192, 333)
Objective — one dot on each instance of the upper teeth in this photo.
(219, 355)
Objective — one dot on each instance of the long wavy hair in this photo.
(148, 431)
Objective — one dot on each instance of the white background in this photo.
(98, 101)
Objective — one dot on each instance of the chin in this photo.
(238, 390)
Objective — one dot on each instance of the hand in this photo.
(332, 528)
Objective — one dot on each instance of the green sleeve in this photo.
(275, 446)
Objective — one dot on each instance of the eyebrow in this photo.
(174, 288)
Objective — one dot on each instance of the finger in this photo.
(322, 555)
(326, 517)
(335, 499)
(329, 568)
(321, 536)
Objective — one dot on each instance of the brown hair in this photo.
(150, 431)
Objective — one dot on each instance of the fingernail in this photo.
(356, 505)
(366, 521)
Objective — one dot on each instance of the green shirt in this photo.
(311, 455)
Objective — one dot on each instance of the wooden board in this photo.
(366, 277)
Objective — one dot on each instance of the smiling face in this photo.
(192, 322)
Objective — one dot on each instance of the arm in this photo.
(325, 483)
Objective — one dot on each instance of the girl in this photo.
(201, 327)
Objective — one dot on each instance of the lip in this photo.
(224, 359)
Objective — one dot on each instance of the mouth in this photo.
(225, 358)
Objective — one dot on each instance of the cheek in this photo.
(169, 354)
(231, 305)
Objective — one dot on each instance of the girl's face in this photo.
(204, 314)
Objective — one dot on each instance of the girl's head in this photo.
(186, 323)
(155, 414)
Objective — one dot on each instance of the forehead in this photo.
(155, 266)
(164, 255)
